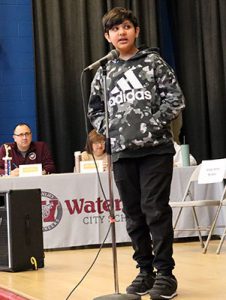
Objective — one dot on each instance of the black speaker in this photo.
(21, 236)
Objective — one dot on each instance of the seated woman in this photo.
(95, 147)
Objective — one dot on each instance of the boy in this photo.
(143, 98)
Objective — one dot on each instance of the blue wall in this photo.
(17, 67)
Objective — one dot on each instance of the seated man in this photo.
(24, 151)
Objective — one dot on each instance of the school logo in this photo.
(51, 211)
(128, 88)
(32, 156)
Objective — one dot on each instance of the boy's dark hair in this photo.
(117, 16)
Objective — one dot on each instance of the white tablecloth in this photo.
(75, 211)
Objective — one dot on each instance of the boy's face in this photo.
(123, 36)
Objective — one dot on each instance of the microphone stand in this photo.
(116, 295)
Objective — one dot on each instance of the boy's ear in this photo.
(137, 30)
(106, 35)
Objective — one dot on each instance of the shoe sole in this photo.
(140, 294)
(159, 297)
(144, 293)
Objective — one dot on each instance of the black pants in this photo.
(144, 188)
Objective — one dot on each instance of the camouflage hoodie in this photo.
(143, 98)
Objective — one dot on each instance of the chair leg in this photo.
(177, 218)
(221, 241)
(198, 227)
(211, 230)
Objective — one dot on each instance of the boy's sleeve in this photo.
(172, 99)
(96, 110)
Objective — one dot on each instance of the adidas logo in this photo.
(128, 88)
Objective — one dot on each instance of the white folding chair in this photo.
(223, 235)
(215, 225)
(188, 201)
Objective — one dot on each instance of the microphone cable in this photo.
(102, 190)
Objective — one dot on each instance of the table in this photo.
(75, 211)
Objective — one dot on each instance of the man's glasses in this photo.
(26, 134)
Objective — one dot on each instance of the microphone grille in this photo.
(114, 53)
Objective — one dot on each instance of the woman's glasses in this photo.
(99, 143)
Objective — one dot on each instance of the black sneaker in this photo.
(142, 284)
(165, 287)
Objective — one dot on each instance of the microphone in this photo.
(110, 56)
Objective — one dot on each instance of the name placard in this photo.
(88, 166)
(212, 171)
(30, 170)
